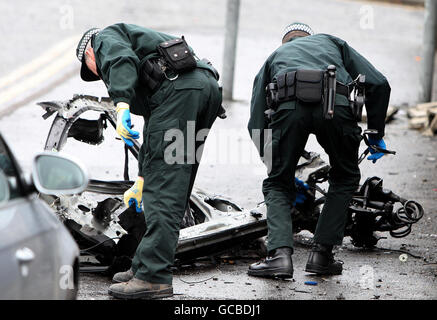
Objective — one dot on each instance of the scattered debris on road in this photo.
(403, 257)
(423, 117)
(340, 297)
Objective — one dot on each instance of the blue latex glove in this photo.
(300, 198)
(301, 187)
(124, 124)
(376, 155)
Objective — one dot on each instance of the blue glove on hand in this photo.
(134, 195)
(376, 155)
(300, 188)
(124, 124)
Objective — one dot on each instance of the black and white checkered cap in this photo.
(298, 26)
(80, 50)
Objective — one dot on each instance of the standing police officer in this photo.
(296, 70)
(157, 76)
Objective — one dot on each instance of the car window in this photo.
(8, 176)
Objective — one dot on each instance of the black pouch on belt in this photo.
(177, 55)
(309, 85)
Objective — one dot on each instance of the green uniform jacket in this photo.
(317, 52)
(119, 49)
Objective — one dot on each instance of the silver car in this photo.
(38, 256)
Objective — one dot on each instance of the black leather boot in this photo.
(278, 264)
(321, 261)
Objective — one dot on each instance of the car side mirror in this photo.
(58, 175)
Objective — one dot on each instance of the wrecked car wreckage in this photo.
(104, 228)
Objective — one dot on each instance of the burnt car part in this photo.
(373, 208)
(68, 112)
(110, 232)
(88, 131)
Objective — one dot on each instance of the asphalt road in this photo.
(393, 45)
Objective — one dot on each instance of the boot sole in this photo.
(142, 294)
(270, 274)
(314, 268)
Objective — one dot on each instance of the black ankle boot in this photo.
(321, 261)
(278, 264)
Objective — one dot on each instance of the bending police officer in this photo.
(296, 76)
(157, 76)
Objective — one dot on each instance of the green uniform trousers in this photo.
(192, 100)
(340, 138)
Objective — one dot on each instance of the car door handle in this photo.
(24, 255)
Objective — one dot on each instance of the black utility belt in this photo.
(303, 85)
(314, 87)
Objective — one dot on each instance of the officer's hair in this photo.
(294, 34)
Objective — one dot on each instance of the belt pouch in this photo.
(309, 85)
(177, 55)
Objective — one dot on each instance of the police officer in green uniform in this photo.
(291, 122)
(168, 99)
